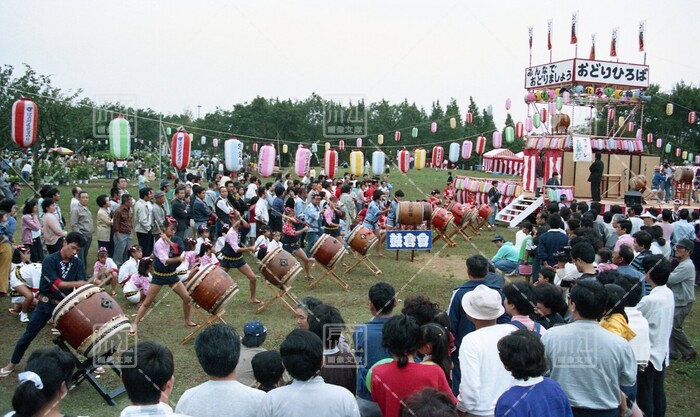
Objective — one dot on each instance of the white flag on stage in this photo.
(582, 149)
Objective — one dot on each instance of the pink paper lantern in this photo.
(397, 136)
(650, 138)
(433, 127)
(215, 142)
(678, 152)
(692, 117)
(519, 130)
(358, 143)
(497, 139)
(508, 103)
(630, 126)
(341, 145)
(659, 143)
(528, 124)
(302, 161)
(639, 133)
(404, 159)
(480, 145)
(469, 118)
(25, 117)
(611, 114)
(266, 160)
(438, 156)
(467, 149)
(566, 96)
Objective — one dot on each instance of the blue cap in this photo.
(254, 328)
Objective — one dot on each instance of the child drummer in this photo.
(393, 209)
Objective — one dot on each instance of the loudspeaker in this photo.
(632, 198)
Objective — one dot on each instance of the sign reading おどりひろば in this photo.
(409, 239)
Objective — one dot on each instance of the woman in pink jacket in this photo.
(31, 231)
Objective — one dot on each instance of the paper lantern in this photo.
(538, 96)
(119, 138)
(545, 95)
(678, 152)
(326, 146)
(453, 155)
(380, 139)
(330, 162)
(510, 134)
(536, 120)
(528, 124)
(314, 148)
(341, 145)
(559, 103)
(255, 147)
(668, 148)
(404, 161)
(378, 162)
(480, 145)
(433, 127)
(489, 110)
(669, 109)
(543, 115)
(620, 121)
(453, 122)
(529, 97)
(659, 143)
(566, 96)
(414, 132)
(438, 156)
(204, 140)
(697, 159)
(25, 117)
(611, 114)
(180, 150)
(684, 155)
(690, 156)
(497, 139)
(630, 127)
(266, 160)
(397, 136)
(419, 159)
(357, 162)
(469, 118)
(650, 138)
(508, 104)
(692, 117)
(358, 143)
(609, 91)
(168, 131)
(551, 109)
(638, 135)
(302, 161)
(285, 148)
(467, 149)
(233, 153)
(552, 94)
(519, 130)
(215, 142)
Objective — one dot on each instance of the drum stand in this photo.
(207, 322)
(329, 272)
(364, 260)
(84, 371)
(279, 294)
(440, 234)
(459, 230)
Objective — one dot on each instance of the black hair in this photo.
(565, 213)
(133, 249)
(44, 189)
(555, 221)
(657, 267)
(526, 225)
(657, 234)
(548, 273)
(279, 190)
(638, 209)
(420, 308)
(582, 207)
(114, 192)
(377, 195)
(438, 338)
(633, 288)
(607, 217)
(522, 354)
(573, 223)
(608, 277)
(625, 225)
(29, 206)
(401, 337)
(583, 251)
(552, 208)
(382, 296)
(126, 198)
(522, 296)
(399, 193)
(605, 255)
(615, 300)
(643, 239)
(75, 237)
(204, 248)
(616, 209)
(550, 296)
(154, 367)
(428, 402)
(327, 323)
(666, 215)
(101, 200)
(477, 266)
(589, 296)
(345, 188)
(218, 348)
(52, 192)
(54, 367)
(302, 354)
(16, 255)
(144, 263)
(626, 253)
(144, 192)
(595, 207)
(46, 203)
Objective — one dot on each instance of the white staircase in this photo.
(518, 210)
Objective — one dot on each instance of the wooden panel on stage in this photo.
(620, 165)
(647, 165)
(567, 169)
(582, 188)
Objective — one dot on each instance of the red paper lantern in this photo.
(25, 116)
(630, 126)
(480, 145)
(255, 147)
(180, 150)
(397, 136)
(438, 156)
(330, 162)
(543, 114)
(650, 137)
(692, 117)
(469, 118)
(341, 144)
(519, 130)
(404, 160)
(611, 114)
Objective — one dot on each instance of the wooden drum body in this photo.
(362, 239)
(327, 251)
(280, 268)
(638, 182)
(409, 213)
(485, 211)
(459, 211)
(211, 288)
(427, 211)
(88, 318)
(684, 175)
(441, 218)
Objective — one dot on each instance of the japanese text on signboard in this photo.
(549, 74)
(613, 73)
(409, 239)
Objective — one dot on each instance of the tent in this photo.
(502, 161)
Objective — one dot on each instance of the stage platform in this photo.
(609, 202)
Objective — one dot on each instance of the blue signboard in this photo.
(409, 239)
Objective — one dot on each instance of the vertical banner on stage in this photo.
(582, 149)
(574, 38)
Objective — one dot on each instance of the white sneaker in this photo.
(24, 317)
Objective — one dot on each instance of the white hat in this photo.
(483, 303)
(646, 214)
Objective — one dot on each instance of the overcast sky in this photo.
(175, 55)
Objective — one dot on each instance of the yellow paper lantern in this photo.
(357, 162)
(380, 139)
(453, 122)
(420, 158)
(328, 146)
(620, 120)
(669, 109)
(285, 148)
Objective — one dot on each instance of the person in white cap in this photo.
(484, 378)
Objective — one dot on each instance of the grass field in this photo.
(432, 274)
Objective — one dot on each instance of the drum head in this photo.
(70, 301)
(318, 244)
(196, 278)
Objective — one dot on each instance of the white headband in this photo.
(31, 376)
